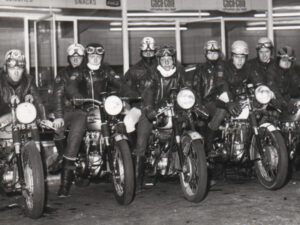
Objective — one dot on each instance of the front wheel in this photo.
(123, 175)
(193, 179)
(34, 190)
(272, 166)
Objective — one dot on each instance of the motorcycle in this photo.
(105, 147)
(249, 139)
(21, 167)
(176, 148)
(290, 126)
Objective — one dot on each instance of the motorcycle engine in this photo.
(239, 138)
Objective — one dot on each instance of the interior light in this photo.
(279, 14)
(150, 23)
(274, 28)
(147, 28)
(178, 14)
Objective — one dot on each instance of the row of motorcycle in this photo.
(254, 140)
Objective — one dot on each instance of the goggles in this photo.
(11, 63)
(93, 50)
(287, 57)
(165, 51)
(212, 47)
(76, 51)
(147, 46)
(264, 45)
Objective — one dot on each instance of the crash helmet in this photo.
(240, 47)
(287, 52)
(165, 51)
(94, 48)
(76, 49)
(14, 58)
(264, 42)
(212, 45)
(147, 43)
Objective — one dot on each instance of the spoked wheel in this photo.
(193, 179)
(272, 166)
(34, 190)
(123, 176)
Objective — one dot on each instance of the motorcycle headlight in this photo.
(263, 94)
(26, 113)
(186, 99)
(113, 105)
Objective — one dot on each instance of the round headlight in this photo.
(113, 105)
(26, 113)
(186, 99)
(263, 94)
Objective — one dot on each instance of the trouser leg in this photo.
(67, 176)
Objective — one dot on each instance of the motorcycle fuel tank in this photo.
(94, 119)
(285, 117)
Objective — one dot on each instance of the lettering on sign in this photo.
(19, 1)
(163, 4)
(85, 2)
(234, 5)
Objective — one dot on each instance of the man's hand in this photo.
(291, 108)
(29, 98)
(14, 99)
(234, 108)
(47, 124)
(151, 114)
(58, 123)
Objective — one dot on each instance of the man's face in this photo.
(94, 59)
(76, 61)
(285, 63)
(264, 55)
(238, 61)
(212, 55)
(148, 53)
(15, 73)
(167, 62)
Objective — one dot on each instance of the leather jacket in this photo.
(25, 87)
(208, 80)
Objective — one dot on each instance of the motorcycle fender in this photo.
(119, 137)
(194, 135)
(269, 126)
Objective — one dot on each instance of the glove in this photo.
(291, 108)
(151, 114)
(28, 98)
(234, 108)
(202, 111)
(276, 103)
(14, 100)
(58, 123)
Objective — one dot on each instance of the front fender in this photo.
(194, 135)
(120, 137)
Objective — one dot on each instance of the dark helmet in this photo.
(95, 48)
(166, 51)
(287, 52)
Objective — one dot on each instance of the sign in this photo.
(164, 5)
(234, 5)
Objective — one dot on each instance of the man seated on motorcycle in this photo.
(67, 86)
(286, 80)
(208, 82)
(137, 78)
(167, 77)
(17, 86)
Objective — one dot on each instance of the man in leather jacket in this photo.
(67, 85)
(16, 86)
(167, 77)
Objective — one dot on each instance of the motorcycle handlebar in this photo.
(86, 100)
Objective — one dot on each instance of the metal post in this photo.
(223, 36)
(125, 37)
(178, 41)
(75, 29)
(54, 46)
(36, 55)
(270, 20)
(26, 44)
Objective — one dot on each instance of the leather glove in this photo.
(151, 114)
(14, 99)
(234, 108)
(58, 123)
(276, 103)
(28, 98)
(201, 111)
(291, 108)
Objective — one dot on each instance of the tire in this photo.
(275, 153)
(123, 176)
(34, 197)
(194, 187)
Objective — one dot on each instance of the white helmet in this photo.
(76, 49)
(240, 48)
(147, 43)
(212, 45)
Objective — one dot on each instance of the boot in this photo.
(132, 140)
(57, 165)
(67, 176)
(210, 136)
(139, 171)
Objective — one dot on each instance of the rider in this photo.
(67, 85)
(17, 86)
(167, 76)
(139, 75)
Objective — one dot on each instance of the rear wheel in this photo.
(123, 176)
(272, 166)
(34, 191)
(193, 179)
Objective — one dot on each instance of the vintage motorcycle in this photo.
(290, 127)
(105, 146)
(21, 167)
(251, 139)
(175, 147)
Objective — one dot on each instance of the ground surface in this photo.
(228, 202)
